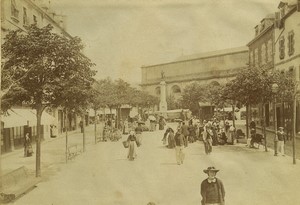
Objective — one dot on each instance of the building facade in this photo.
(261, 50)
(287, 51)
(218, 66)
(18, 14)
(276, 45)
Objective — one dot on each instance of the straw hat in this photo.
(210, 169)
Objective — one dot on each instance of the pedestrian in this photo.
(53, 131)
(125, 130)
(81, 126)
(166, 134)
(215, 128)
(27, 146)
(207, 138)
(179, 146)
(252, 125)
(171, 136)
(289, 129)
(192, 132)
(232, 134)
(131, 148)
(281, 140)
(138, 132)
(161, 123)
(185, 132)
(212, 189)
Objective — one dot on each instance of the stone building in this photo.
(287, 51)
(276, 45)
(17, 14)
(261, 49)
(21, 13)
(218, 66)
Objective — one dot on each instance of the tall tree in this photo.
(192, 95)
(252, 86)
(50, 63)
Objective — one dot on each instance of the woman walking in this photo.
(207, 138)
(27, 146)
(171, 143)
(132, 143)
(138, 132)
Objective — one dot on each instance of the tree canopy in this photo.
(44, 69)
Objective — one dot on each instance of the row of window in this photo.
(290, 44)
(15, 14)
(262, 56)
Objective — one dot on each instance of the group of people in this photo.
(280, 138)
(211, 132)
(212, 189)
(214, 133)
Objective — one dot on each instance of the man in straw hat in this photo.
(212, 189)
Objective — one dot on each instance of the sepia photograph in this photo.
(150, 102)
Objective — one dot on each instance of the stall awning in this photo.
(20, 117)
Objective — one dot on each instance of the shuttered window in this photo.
(281, 48)
(14, 10)
(25, 17)
(291, 43)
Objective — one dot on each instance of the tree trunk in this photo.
(247, 121)
(95, 123)
(233, 115)
(65, 119)
(83, 134)
(0, 130)
(264, 125)
(39, 112)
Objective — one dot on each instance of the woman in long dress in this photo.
(171, 139)
(132, 146)
(27, 146)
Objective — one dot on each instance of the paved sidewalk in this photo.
(270, 141)
(53, 151)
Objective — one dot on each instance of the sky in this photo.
(120, 36)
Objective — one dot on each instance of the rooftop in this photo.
(213, 53)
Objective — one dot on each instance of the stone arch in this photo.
(214, 83)
(175, 89)
(157, 91)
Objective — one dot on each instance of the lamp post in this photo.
(275, 90)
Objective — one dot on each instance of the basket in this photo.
(125, 144)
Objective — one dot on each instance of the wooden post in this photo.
(294, 126)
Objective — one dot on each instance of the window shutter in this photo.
(292, 44)
(277, 19)
(281, 48)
